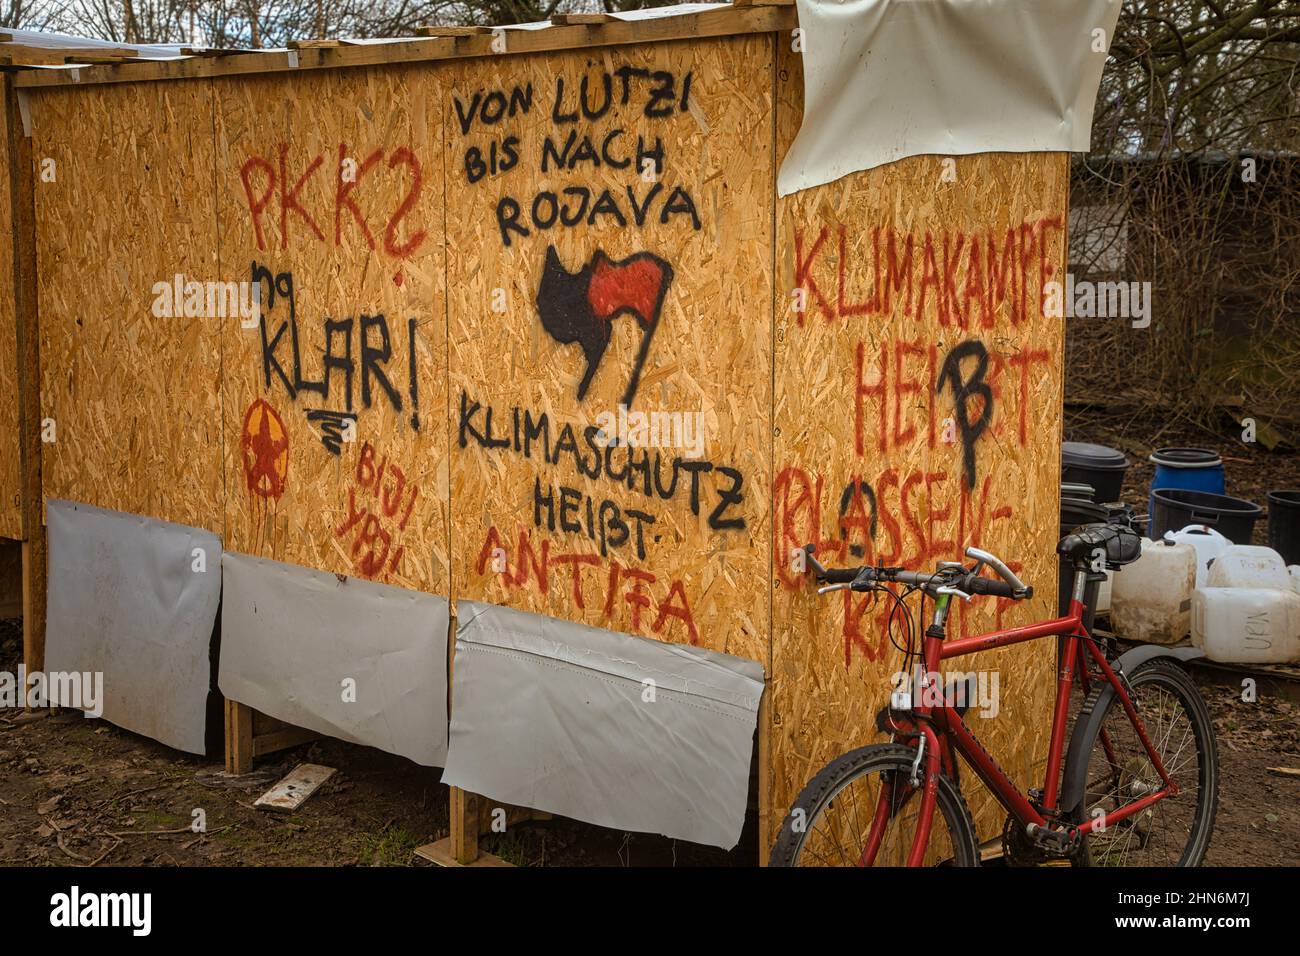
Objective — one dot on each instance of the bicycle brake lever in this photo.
(957, 592)
(833, 587)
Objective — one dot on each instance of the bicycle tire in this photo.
(837, 775)
(1164, 674)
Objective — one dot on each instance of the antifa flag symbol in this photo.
(581, 307)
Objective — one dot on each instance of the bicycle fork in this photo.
(898, 790)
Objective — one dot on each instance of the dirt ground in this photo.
(82, 792)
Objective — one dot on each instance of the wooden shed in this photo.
(408, 394)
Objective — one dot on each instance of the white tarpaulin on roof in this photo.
(885, 79)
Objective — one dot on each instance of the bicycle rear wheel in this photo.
(832, 821)
(1174, 831)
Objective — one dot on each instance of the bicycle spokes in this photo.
(872, 821)
(1121, 773)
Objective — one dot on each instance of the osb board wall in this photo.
(572, 268)
(11, 521)
(918, 398)
(329, 191)
(130, 384)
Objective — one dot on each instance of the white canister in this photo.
(1151, 599)
(1247, 625)
(1248, 566)
(1209, 544)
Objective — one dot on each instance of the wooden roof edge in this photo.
(726, 20)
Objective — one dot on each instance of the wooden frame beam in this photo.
(725, 21)
(23, 203)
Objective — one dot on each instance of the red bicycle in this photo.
(1138, 785)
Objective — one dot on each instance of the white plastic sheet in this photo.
(135, 600)
(620, 731)
(885, 79)
(342, 656)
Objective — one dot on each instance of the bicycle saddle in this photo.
(1119, 544)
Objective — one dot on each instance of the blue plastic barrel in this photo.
(1191, 469)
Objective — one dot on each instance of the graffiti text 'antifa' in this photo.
(656, 94)
(341, 359)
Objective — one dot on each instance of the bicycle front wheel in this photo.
(1174, 831)
(862, 809)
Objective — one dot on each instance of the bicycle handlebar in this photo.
(964, 580)
(1019, 588)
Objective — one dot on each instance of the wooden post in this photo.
(464, 825)
(239, 737)
(22, 202)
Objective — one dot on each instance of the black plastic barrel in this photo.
(1284, 524)
(1176, 508)
(1095, 465)
(1074, 512)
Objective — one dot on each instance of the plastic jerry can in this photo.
(1248, 566)
(1247, 625)
(1209, 544)
(1151, 599)
(1104, 592)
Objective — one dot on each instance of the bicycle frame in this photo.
(945, 730)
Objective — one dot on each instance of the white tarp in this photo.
(342, 656)
(885, 79)
(135, 599)
(620, 731)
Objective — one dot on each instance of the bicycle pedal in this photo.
(1054, 842)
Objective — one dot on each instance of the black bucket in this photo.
(1176, 508)
(1095, 465)
(1284, 524)
(1074, 512)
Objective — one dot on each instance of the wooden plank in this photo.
(23, 269)
(239, 738)
(11, 443)
(946, 432)
(696, 570)
(724, 21)
(358, 483)
(131, 371)
(282, 739)
(295, 788)
(433, 30)
(19, 55)
(313, 44)
(443, 853)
